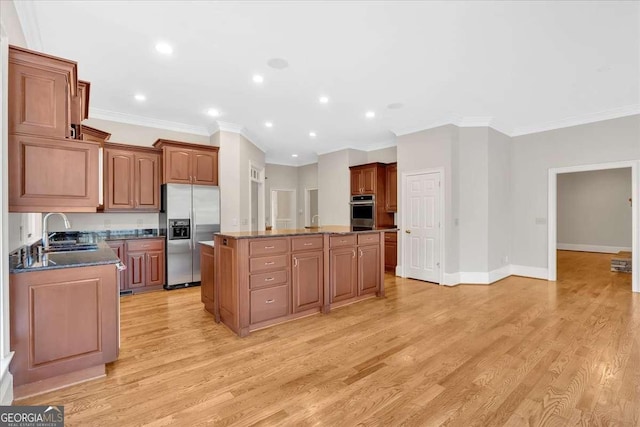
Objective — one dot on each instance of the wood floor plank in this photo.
(519, 352)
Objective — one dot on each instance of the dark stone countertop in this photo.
(97, 236)
(57, 260)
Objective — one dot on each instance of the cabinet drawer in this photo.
(145, 245)
(391, 236)
(343, 240)
(368, 238)
(306, 243)
(268, 246)
(268, 279)
(269, 303)
(268, 263)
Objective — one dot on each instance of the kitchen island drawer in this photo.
(368, 238)
(145, 245)
(337, 241)
(268, 246)
(269, 303)
(306, 243)
(267, 263)
(268, 279)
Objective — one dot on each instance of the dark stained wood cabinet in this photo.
(391, 250)
(131, 178)
(186, 163)
(118, 247)
(154, 268)
(41, 89)
(391, 187)
(371, 178)
(145, 264)
(363, 179)
(368, 269)
(206, 277)
(63, 322)
(136, 269)
(52, 175)
(80, 107)
(344, 273)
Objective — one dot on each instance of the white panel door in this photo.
(422, 227)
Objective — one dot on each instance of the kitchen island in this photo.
(263, 278)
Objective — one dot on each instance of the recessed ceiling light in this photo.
(278, 63)
(268, 124)
(294, 155)
(164, 48)
(395, 105)
(370, 114)
(323, 99)
(257, 78)
(213, 112)
(312, 134)
(140, 97)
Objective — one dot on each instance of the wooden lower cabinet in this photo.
(145, 262)
(391, 251)
(307, 280)
(118, 247)
(154, 268)
(137, 268)
(206, 279)
(344, 273)
(368, 269)
(63, 321)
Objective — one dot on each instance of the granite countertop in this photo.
(329, 229)
(97, 236)
(207, 243)
(57, 260)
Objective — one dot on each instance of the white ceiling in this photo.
(520, 66)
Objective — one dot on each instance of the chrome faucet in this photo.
(45, 233)
(315, 216)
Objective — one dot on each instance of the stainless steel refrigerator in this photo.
(189, 214)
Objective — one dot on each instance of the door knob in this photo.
(407, 231)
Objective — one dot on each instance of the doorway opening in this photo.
(311, 218)
(592, 218)
(283, 209)
(256, 198)
(422, 218)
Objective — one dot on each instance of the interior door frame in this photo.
(259, 169)
(307, 207)
(552, 227)
(294, 204)
(443, 221)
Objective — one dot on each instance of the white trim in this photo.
(6, 381)
(416, 129)
(451, 279)
(228, 127)
(443, 218)
(526, 271)
(252, 139)
(261, 196)
(29, 22)
(294, 203)
(98, 113)
(552, 191)
(499, 273)
(307, 207)
(592, 248)
(584, 119)
(472, 122)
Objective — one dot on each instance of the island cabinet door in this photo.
(368, 269)
(136, 267)
(343, 267)
(307, 280)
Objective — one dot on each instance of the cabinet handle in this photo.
(269, 263)
(295, 262)
(308, 244)
(360, 253)
(145, 246)
(270, 301)
(353, 253)
(269, 279)
(269, 247)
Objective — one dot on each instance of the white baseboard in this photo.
(533, 272)
(6, 381)
(399, 271)
(592, 248)
(451, 279)
(499, 273)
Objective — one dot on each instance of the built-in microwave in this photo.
(363, 211)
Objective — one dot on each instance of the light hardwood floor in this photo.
(519, 352)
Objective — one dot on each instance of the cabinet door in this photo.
(368, 269)
(343, 268)
(391, 188)
(205, 167)
(356, 181)
(177, 167)
(118, 248)
(39, 101)
(147, 182)
(119, 180)
(368, 178)
(155, 268)
(52, 175)
(390, 255)
(136, 266)
(206, 275)
(307, 280)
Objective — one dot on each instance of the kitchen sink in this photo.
(78, 247)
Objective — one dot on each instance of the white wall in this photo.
(533, 155)
(334, 188)
(383, 155)
(125, 133)
(307, 179)
(280, 177)
(500, 200)
(594, 212)
(104, 221)
(249, 155)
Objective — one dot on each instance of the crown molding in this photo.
(473, 122)
(229, 127)
(98, 113)
(29, 22)
(246, 133)
(614, 113)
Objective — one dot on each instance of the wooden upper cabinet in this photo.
(47, 174)
(391, 187)
(92, 134)
(356, 182)
(41, 89)
(364, 179)
(186, 163)
(131, 178)
(80, 107)
(369, 180)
